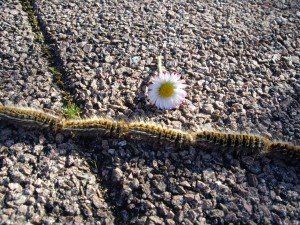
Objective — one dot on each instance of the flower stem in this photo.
(159, 66)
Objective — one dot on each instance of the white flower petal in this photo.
(172, 101)
(159, 103)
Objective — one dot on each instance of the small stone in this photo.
(16, 147)
(243, 193)
(162, 209)
(105, 144)
(208, 108)
(95, 65)
(20, 200)
(38, 149)
(97, 202)
(87, 48)
(230, 217)
(206, 204)
(18, 177)
(111, 151)
(149, 205)
(181, 190)
(276, 219)
(177, 200)
(86, 210)
(216, 213)
(211, 87)
(171, 222)
(202, 186)
(23, 209)
(31, 201)
(117, 174)
(156, 219)
(8, 211)
(59, 138)
(14, 12)
(135, 183)
(248, 207)
(209, 175)
(161, 186)
(171, 14)
(295, 59)
(185, 184)
(279, 209)
(219, 105)
(41, 199)
(134, 61)
(189, 197)
(236, 107)
(264, 210)
(25, 170)
(15, 187)
(109, 59)
(122, 143)
(252, 180)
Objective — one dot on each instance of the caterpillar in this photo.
(233, 140)
(98, 126)
(142, 130)
(31, 117)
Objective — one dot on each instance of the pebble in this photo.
(111, 151)
(252, 179)
(117, 174)
(208, 108)
(219, 105)
(216, 213)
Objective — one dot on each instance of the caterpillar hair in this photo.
(141, 130)
(95, 126)
(30, 117)
(286, 149)
(146, 130)
(246, 141)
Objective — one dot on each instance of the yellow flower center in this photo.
(166, 90)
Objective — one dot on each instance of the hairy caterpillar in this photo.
(141, 130)
(249, 141)
(154, 131)
(286, 149)
(30, 116)
(98, 126)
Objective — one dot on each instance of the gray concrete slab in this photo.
(239, 58)
(24, 71)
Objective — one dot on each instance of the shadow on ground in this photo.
(74, 179)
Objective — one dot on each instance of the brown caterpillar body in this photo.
(286, 149)
(147, 130)
(140, 130)
(232, 140)
(30, 117)
(97, 126)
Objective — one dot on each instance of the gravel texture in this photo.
(46, 179)
(24, 72)
(239, 58)
(241, 62)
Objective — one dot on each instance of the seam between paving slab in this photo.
(42, 38)
(59, 73)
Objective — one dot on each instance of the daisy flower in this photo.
(167, 90)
